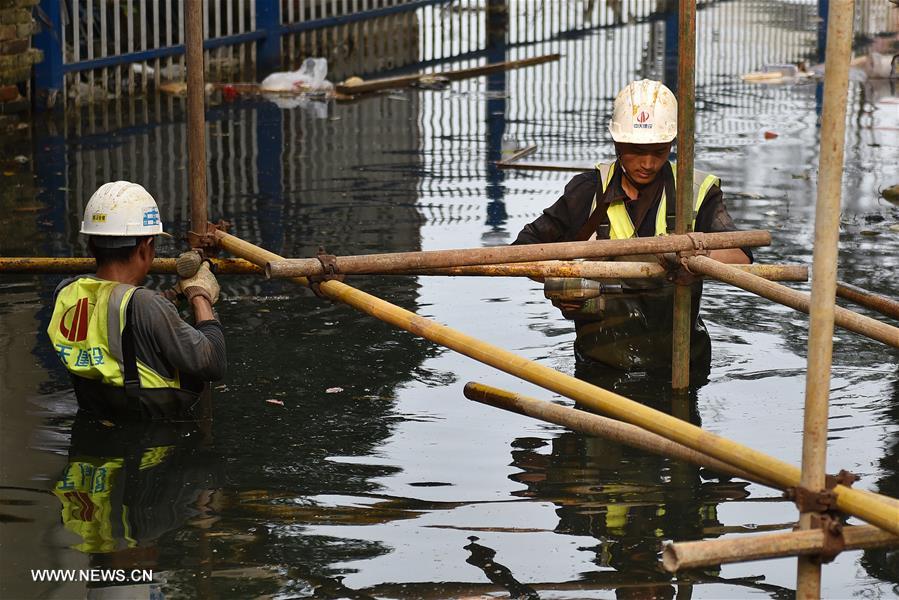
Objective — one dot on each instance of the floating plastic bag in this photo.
(310, 77)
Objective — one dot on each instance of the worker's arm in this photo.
(164, 340)
(734, 256)
(714, 218)
(202, 309)
(561, 221)
(558, 223)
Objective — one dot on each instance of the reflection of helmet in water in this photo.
(645, 112)
(118, 213)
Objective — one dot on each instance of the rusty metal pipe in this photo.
(404, 261)
(800, 301)
(18, 265)
(686, 130)
(65, 265)
(705, 553)
(882, 304)
(598, 270)
(868, 506)
(196, 118)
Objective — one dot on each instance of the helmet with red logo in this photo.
(118, 213)
(645, 112)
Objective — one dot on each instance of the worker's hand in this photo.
(188, 263)
(203, 283)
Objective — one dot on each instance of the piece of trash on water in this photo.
(275, 401)
(310, 77)
(785, 70)
(351, 81)
(770, 135)
(333, 390)
(891, 194)
(432, 82)
(21, 159)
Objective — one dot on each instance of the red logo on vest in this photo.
(643, 117)
(77, 329)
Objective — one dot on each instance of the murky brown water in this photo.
(376, 478)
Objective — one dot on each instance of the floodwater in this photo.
(376, 478)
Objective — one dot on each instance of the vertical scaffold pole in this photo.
(686, 113)
(196, 118)
(824, 274)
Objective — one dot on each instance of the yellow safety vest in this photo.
(620, 224)
(86, 332)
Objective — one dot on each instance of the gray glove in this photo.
(202, 283)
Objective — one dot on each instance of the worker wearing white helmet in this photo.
(627, 324)
(126, 348)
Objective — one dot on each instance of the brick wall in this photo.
(16, 54)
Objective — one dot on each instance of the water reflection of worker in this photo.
(127, 350)
(628, 323)
(627, 499)
(127, 484)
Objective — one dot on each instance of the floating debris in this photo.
(333, 390)
(891, 194)
(275, 401)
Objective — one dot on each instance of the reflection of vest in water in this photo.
(127, 485)
(632, 329)
(91, 333)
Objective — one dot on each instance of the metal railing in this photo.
(98, 49)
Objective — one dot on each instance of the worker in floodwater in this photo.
(128, 351)
(627, 324)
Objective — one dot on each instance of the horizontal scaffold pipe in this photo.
(236, 266)
(800, 301)
(690, 555)
(404, 261)
(596, 425)
(598, 269)
(868, 506)
(882, 304)
(64, 265)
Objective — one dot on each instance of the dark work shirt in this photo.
(562, 221)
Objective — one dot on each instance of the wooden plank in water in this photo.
(375, 85)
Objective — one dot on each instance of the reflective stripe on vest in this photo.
(620, 224)
(86, 333)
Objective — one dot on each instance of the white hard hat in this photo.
(118, 213)
(645, 112)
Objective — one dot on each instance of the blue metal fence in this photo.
(95, 39)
